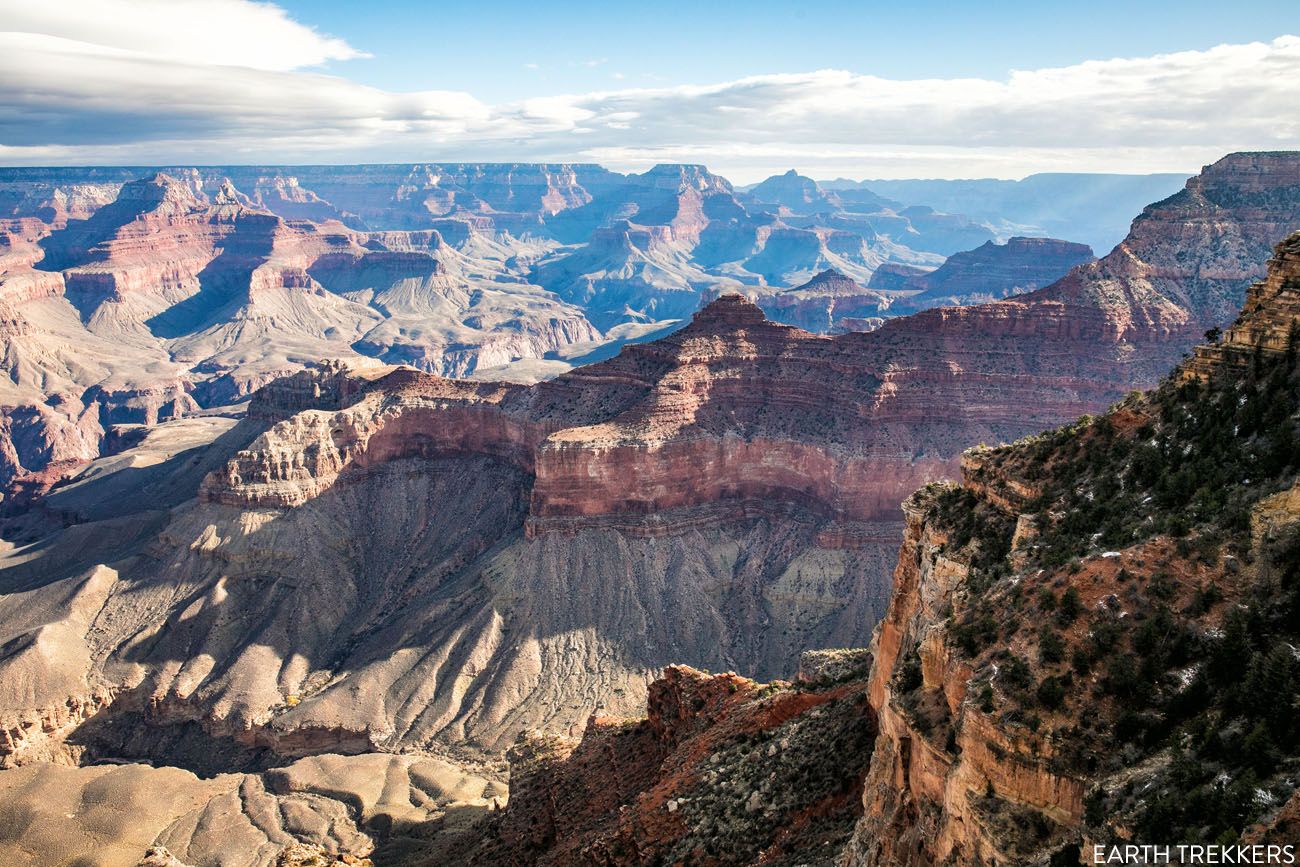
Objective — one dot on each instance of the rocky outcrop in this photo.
(944, 778)
(796, 198)
(989, 273)
(829, 303)
(1267, 323)
(896, 277)
(721, 770)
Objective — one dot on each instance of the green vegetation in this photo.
(1210, 677)
(1210, 452)
(752, 784)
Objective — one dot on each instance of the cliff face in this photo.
(711, 423)
(1107, 327)
(1083, 633)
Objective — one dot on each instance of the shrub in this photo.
(1070, 608)
(909, 677)
(1050, 647)
(1050, 693)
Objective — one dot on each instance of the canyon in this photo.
(369, 560)
(130, 295)
(990, 272)
(1089, 643)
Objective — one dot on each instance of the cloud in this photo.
(129, 94)
(219, 32)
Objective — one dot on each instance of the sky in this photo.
(834, 89)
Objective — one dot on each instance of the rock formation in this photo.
(340, 809)
(551, 551)
(165, 300)
(796, 198)
(987, 273)
(829, 303)
(1112, 325)
(378, 559)
(749, 471)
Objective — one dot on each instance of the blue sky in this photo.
(833, 89)
(485, 47)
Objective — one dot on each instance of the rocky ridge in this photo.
(721, 770)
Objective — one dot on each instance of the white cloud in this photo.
(127, 95)
(225, 32)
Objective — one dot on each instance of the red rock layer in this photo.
(719, 772)
(732, 416)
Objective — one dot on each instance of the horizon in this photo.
(164, 167)
(842, 91)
